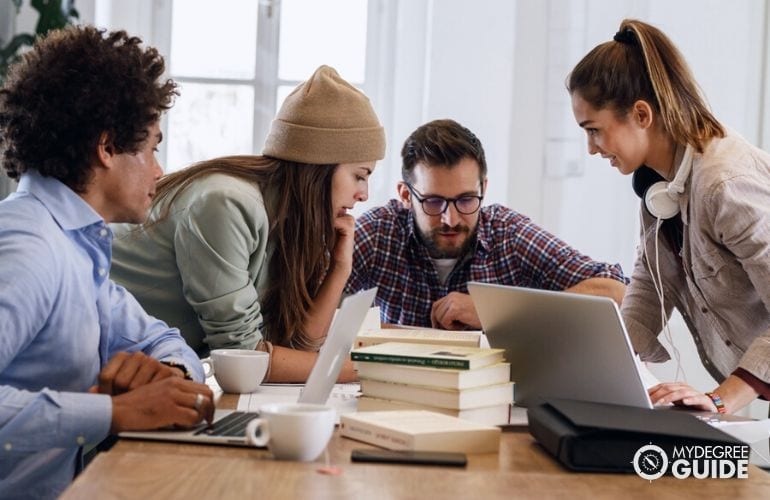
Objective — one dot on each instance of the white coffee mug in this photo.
(292, 431)
(237, 370)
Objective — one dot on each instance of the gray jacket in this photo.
(203, 268)
(722, 285)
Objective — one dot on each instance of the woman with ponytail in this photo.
(705, 247)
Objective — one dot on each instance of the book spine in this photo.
(462, 364)
(377, 436)
(366, 341)
(408, 376)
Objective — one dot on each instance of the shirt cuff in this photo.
(755, 359)
(762, 388)
(85, 417)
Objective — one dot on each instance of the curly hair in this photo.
(73, 86)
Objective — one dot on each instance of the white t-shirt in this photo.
(443, 268)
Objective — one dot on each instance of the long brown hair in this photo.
(301, 225)
(642, 63)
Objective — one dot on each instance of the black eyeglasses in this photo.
(466, 204)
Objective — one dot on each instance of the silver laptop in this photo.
(561, 345)
(229, 425)
(565, 345)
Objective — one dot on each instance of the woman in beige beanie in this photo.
(254, 251)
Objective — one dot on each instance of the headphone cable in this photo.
(658, 285)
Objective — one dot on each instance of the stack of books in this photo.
(471, 383)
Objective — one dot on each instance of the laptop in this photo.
(567, 346)
(571, 346)
(229, 426)
(561, 345)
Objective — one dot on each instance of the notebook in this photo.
(229, 425)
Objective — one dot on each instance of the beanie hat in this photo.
(325, 120)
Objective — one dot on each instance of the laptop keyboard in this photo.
(233, 424)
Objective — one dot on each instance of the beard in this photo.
(430, 239)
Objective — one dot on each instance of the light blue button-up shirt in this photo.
(61, 320)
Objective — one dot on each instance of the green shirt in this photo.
(203, 268)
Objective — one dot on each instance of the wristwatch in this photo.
(179, 366)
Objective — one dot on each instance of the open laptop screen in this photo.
(561, 345)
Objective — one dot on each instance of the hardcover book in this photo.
(450, 378)
(417, 336)
(439, 356)
(420, 431)
(454, 399)
(487, 415)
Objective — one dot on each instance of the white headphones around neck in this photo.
(662, 198)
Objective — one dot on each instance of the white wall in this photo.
(7, 22)
(453, 59)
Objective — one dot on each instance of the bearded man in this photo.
(422, 249)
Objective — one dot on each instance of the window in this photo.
(237, 60)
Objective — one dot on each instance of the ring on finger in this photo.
(198, 402)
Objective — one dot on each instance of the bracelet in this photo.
(267, 347)
(717, 400)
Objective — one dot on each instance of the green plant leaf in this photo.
(54, 14)
(15, 44)
(10, 53)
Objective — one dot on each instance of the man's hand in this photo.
(603, 287)
(128, 371)
(455, 312)
(342, 254)
(163, 403)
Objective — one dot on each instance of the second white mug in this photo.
(237, 370)
(292, 431)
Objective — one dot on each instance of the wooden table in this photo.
(521, 469)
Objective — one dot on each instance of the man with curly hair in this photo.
(79, 358)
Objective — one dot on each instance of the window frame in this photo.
(265, 83)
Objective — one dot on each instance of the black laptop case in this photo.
(600, 437)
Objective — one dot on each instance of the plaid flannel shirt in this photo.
(509, 250)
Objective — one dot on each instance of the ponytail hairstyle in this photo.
(301, 227)
(641, 63)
